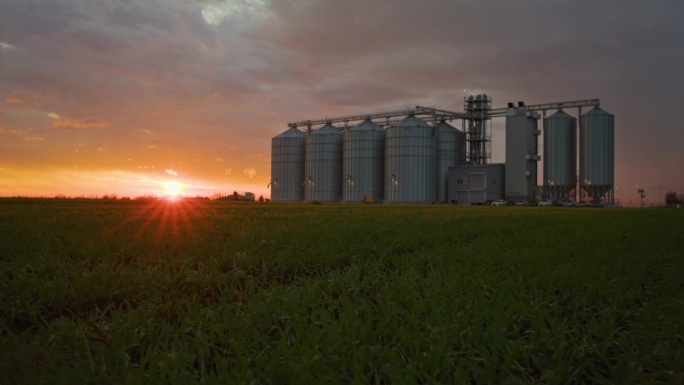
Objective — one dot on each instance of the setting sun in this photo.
(172, 189)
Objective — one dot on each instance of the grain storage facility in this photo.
(416, 156)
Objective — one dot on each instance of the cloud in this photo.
(21, 132)
(33, 139)
(250, 172)
(215, 12)
(6, 46)
(14, 99)
(61, 122)
(170, 171)
(27, 97)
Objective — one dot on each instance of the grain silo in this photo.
(521, 154)
(363, 162)
(451, 151)
(323, 165)
(597, 155)
(410, 162)
(560, 156)
(287, 166)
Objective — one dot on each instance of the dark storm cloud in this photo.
(501, 41)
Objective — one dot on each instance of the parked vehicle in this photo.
(522, 203)
(545, 203)
(499, 202)
(569, 204)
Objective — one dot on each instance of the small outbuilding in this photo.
(476, 184)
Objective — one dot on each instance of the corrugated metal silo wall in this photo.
(447, 156)
(323, 165)
(363, 165)
(410, 165)
(597, 153)
(560, 154)
(287, 169)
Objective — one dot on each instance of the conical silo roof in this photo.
(597, 111)
(560, 114)
(366, 125)
(292, 132)
(326, 130)
(443, 126)
(411, 121)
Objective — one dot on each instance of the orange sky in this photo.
(120, 97)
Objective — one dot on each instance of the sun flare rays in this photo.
(163, 226)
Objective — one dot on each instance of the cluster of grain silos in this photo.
(596, 156)
(398, 157)
(408, 162)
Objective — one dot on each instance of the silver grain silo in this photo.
(363, 162)
(560, 156)
(597, 154)
(451, 151)
(323, 165)
(287, 166)
(410, 162)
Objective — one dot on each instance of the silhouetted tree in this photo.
(261, 198)
(671, 198)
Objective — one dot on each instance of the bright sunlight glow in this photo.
(172, 189)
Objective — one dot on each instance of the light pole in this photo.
(642, 195)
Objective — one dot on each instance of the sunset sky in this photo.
(122, 96)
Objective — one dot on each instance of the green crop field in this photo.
(156, 292)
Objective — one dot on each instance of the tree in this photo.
(671, 198)
(261, 198)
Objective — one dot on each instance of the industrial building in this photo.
(476, 184)
(418, 155)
